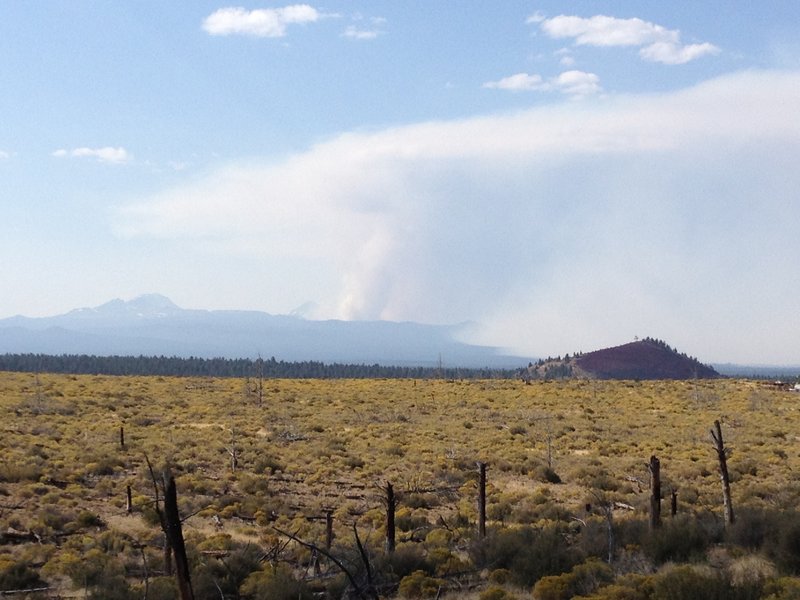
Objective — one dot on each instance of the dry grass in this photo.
(317, 445)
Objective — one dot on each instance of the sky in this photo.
(564, 176)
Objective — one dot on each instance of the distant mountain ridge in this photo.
(643, 359)
(152, 325)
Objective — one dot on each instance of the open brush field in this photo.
(567, 489)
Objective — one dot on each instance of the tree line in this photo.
(83, 364)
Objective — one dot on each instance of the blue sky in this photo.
(566, 175)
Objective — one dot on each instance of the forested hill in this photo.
(645, 359)
(80, 364)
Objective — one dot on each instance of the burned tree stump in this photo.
(328, 529)
(170, 520)
(482, 499)
(722, 455)
(174, 533)
(654, 467)
(390, 511)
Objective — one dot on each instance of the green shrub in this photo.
(420, 500)
(406, 559)
(776, 533)
(754, 528)
(17, 575)
(496, 593)
(688, 582)
(159, 588)
(51, 520)
(528, 553)
(274, 583)
(444, 562)
(787, 551)
(101, 574)
(581, 580)
(627, 587)
(15, 472)
(407, 520)
(354, 462)
(500, 576)
(253, 484)
(784, 588)
(750, 573)
(89, 519)
(212, 577)
(102, 465)
(419, 585)
(682, 539)
(591, 575)
(546, 474)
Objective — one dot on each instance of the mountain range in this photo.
(153, 325)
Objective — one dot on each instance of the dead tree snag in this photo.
(170, 520)
(722, 455)
(328, 529)
(654, 466)
(482, 499)
(390, 510)
(233, 451)
(174, 533)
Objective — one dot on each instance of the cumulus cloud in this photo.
(574, 83)
(674, 54)
(4, 155)
(658, 44)
(559, 228)
(577, 83)
(263, 22)
(107, 154)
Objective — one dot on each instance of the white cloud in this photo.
(517, 83)
(574, 83)
(107, 154)
(577, 83)
(659, 43)
(536, 17)
(565, 58)
(601, 30)
(355, 33)
(559, 228)
(4, 155)
(673, 54)
(264, 22)
(367, 28)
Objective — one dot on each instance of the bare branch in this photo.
(350, 577)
